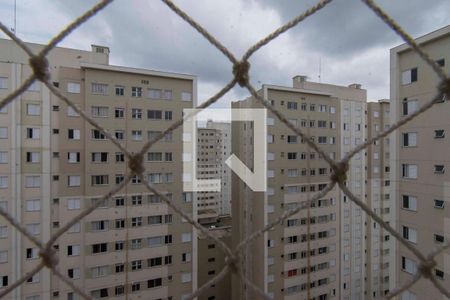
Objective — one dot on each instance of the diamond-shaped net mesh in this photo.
(241, 67)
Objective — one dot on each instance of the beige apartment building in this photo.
(224, 131)
(291, 261)
(420, 157)
(209, 166)
(53, 164)
(211, 260)
(380, 247)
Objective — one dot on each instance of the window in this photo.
(101, 293)
(33, 133)
(186, 96)
(4, 132)
(136, 221)
(136, 91)
(155, 178)
(119, 113)
(332, 110)
(73, 157)
(136, 265)
(292, 155)
(438, 238)
(438, 203)
(99, 248)
(99, 88)
(136, 243)
(73, 250)
(439, 134)
(99, 157)
(74, 273)
(3, 232)
(410, 234)
(136, 200)
(322, 140)
(409, 76)
(101, 225)
(186, 257)
(292, 105)
(119, 290)
(409, 106)
(136, 113)
(3, 259)
(409, 171)
(73, 180)
(409, 202)
(3, 182)
(154, 114)
(120, 90)
(33, 109)
(71, 112)
(186, 237)
(97, 135)
(73, 203)
(136, 135)
(99, 179)
(135, 287)
(168, 156)
(439, 169)
(3, 83)
(34, 228)
(152, 283)
(33, 157)
(32, 181)
(409, 265)
(74, 134)
(186, 277)
(119, 247)
(167, 115)
(120, 157)
(73, 87)
(119, 134)
(439, 273)
(154, 93)
(441, 62)
(322, 108)
(409, 139)
(99, 111)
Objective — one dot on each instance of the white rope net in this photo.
(241, 67)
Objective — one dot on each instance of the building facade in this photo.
(224, 129)
(325, 259)
(380, 255)
(209, 166)
(419, 151)
(54, 164)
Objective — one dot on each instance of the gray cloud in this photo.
(351, 42)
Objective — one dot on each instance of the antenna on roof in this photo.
(320, 69)
(15, 15)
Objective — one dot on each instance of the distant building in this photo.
(54, 164)
(333, 251)
(420, 162)
(224, 130)
(211, 260)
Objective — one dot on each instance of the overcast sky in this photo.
(351, 43)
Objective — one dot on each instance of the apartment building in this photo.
(326, 259)
(380, 248)
(420, 156)
(209, 166)
(224, 129)
(54, 164)
(211, 260)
